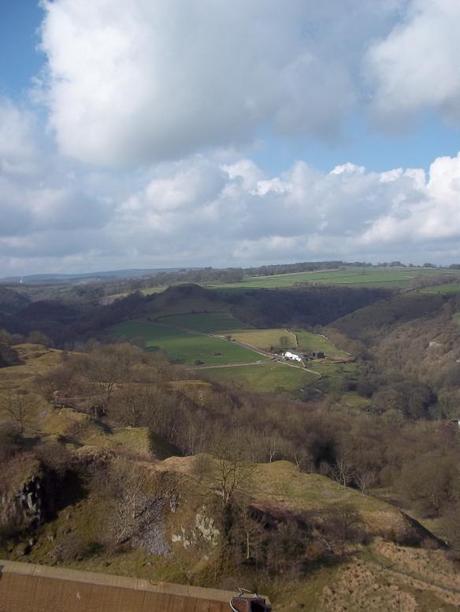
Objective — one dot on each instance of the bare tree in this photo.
(343, 470)
(364, 478)
(18, 406)
(341, 525)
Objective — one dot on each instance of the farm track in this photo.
(267, 355)
(249, 347)
(228, 365)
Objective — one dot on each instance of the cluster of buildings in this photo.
(302, 357)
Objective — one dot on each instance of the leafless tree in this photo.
(364, 478)
(18, 407)
(343, 470)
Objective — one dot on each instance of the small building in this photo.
(315, 355)
(292, 356)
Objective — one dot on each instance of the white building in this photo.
(292, 356)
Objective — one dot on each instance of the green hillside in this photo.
(391, 277)
(184, 346)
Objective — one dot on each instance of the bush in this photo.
(9, 440)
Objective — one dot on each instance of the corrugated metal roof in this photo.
(26, 587)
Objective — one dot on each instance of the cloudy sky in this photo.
(157, 133)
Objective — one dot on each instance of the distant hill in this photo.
(45, 279)
(11, 301)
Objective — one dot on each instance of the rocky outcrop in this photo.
(21, 495)
(31, 494)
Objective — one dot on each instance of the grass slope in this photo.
(310, 342)
(351, 276)
(267, 338)
(183, 346)
(264, 378)
(43, 419)
(446, 289)
(204, 322)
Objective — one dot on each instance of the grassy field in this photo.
(185, 338)
(267, 338)
(310, 342)
(277, 338)
(264, 378)
(333, 374)
(183, 346)
(204, 322)
(352, 276)
(446, 289)
(109, 299)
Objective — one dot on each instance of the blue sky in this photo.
(20, 59)
(149, 133)
(429, 136)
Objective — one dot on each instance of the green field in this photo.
(183, 346)
(266, 338)
(265, 378)
(186, 338)
(204, 322)
(446, 289)
(352, 276)
(310, 342)
(333, 374)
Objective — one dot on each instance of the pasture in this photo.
(213, 343)
(204, 322)
(191, 348)
(309, 342)
(333, 375)
(266, 339)
(445, 289)
(268, 377)
(353, 276)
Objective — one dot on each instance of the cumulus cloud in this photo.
(170, 92)
(43, 207)
(416, 65)
(18, 150)
(205, 209)
(197, 211)
(200, 211)
(133, 82)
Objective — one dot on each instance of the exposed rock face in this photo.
(22, 496)
(30, 494)
(204, 531)
(30, 502)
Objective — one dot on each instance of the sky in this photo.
(164, 133)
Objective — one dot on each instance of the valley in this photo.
(230, 351)
(167, 436)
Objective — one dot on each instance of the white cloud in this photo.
(238, 215)
(216, 210)
(42, 206)
(416, 66)
(145, 80)
(432, 215)
(18, 150)
(198, 211)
